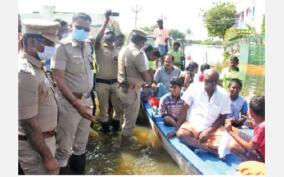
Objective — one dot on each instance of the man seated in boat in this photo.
(163, 75)
(171, 104)
(207, 106)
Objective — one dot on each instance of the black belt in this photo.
(106, 81)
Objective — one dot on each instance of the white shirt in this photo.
(203, 112)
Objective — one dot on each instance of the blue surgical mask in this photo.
(79, 34)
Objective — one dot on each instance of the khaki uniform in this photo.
(36, 100)
(73, 129)
(133, 59)
(107, 72)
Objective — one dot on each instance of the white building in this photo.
(50, 13)
(250, 12)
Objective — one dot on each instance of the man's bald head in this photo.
(211, 74)
(211, 78)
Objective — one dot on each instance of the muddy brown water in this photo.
(144, 155)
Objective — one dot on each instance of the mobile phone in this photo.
(114, 14)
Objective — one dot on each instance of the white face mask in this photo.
(47, 53)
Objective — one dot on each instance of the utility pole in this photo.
(163, 17)
(136, 10)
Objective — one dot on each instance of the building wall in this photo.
(250, 12)
(50, 13)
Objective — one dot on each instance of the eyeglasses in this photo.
(82, 28)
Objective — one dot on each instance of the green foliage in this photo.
(219, 18)
(176, 34)
(220, 66)
(196, 41)
(188, 31)
(263, 25)
(226, 56)
(211, 41)
(235, 33)
(149, 29)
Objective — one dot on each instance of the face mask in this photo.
(79, 34)
(64, 35)
(47, 53)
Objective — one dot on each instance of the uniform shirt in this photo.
(106, 60)
(160, 35)
(226, 75)
(92, 56)
(132, 58)
(75, 63)
(36, 98)
(259, 138)
(169, 105)
(177, 55)
(203, 112)
(20, 40)
(162, 76)
(238, 106)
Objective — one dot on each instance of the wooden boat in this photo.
(190, 160)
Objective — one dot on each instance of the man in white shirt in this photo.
(207, 105)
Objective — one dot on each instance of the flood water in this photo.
(144, 156)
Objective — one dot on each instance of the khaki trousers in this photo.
(30, 160)
(131, 105)
(104, 92)
(72, 131)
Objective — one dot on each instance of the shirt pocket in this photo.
(215, 108)
(45, 90)
(76, 65)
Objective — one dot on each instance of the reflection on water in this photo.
(144, 155)
(253, 76)
(205, 54)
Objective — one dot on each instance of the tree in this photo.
(188, 31)
(176, 34)
(219, 18)
(149, 29)
(235, 33)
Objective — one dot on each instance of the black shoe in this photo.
(20, 170)
(116, 125)
(65, 170)
(105, 126)
(77, 164)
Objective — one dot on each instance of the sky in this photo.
(178, 14)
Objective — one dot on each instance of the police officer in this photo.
(106, 76)
(132, 74)
(72, 72)
(37, 105)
